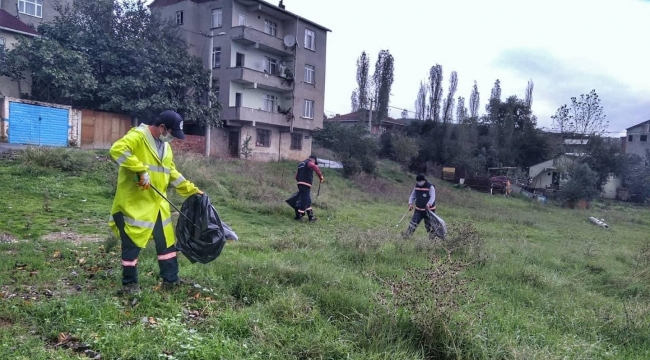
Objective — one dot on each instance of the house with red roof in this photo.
(11, 28)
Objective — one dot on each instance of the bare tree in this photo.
(583, 116)
(529, 94)
(383, 78)
(354, 99)
(461, 110)
(421, 102)
(474, 101)
(435, 92)
(404, 114)
(562, 120)
(588, 114)
(363, 84)
(448, 111)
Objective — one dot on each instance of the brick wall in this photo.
(191, 143)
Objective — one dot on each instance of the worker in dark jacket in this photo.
(423, 198)
(304, 178)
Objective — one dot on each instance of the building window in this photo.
(271, 28)
(263, 138)
(217, 18)
(309, 109)
(310, 71)
(3, 41)
(179, 18)
(31, 7)
(270, 65)
(216, 57)
(269, 101)
(644, 137)
(296, 141)
(630, 137)
(242, 20)
(310, 39)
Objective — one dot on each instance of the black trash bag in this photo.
(293, 200)
(439, 225)
(202, 237)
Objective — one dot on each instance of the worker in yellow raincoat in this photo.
(139, 213)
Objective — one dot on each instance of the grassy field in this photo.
(513, 280)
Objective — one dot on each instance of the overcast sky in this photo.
(567, 47)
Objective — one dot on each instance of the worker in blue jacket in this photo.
(423, 198)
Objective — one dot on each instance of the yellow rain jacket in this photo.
(135, 153)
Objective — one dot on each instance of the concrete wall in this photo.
(48, 11)
(9, 88)
(219, 142)
(636, 146)
(609, 189)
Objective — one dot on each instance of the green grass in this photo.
(514, 280)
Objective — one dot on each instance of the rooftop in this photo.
(11, 23)
(356, 116)
(639, 124)
(161, 3)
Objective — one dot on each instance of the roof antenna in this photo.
(281, 6)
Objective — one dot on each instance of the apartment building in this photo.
(268, 66)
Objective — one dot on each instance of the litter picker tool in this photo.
(174, 206)
(170, 203)
(318, 193)
(402, 219)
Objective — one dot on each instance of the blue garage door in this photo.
(37, 125)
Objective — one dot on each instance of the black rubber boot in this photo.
(310, 213)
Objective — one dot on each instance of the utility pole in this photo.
(370, 118)
(208, 129)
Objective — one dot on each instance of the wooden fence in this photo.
(99, 130)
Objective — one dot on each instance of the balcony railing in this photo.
(263, 117)
(267, 42)
(262, 79)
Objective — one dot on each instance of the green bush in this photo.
(582, 184)
(352, 146)
(63, 159)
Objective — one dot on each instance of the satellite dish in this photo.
(289, 41)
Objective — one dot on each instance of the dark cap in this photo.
(173, 122)
(420, 177)
(315, 159)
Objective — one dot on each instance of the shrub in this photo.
(352, 146)
(56, 158)
(582, 184)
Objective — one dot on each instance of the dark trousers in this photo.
(167, 261)
(304, 200)
(418, 216)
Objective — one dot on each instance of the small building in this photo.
(636, 141)
(548, 175)
(360, 117)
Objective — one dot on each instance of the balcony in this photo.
(258, 39)
(254, 115)
(260, 79)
